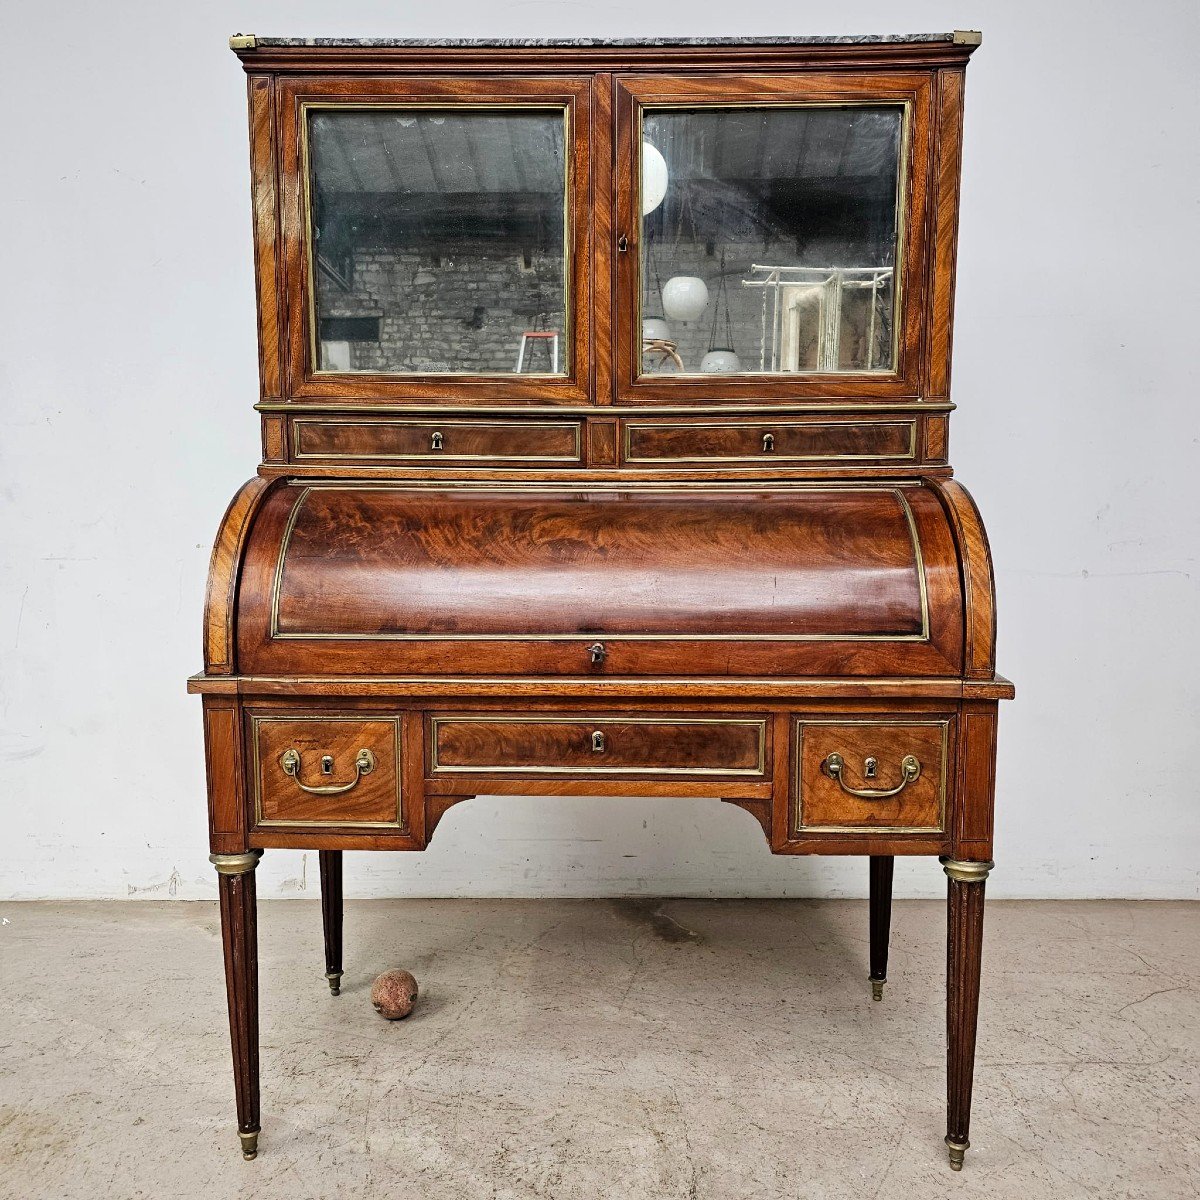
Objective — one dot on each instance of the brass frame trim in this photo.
(436, 768)
(962, 871)
(236, 864)
(358, 718)
(462, 422)
(638, 408)
(796, 827)
(900, 267)
(284, 543)
(757, 422)
(566, 107)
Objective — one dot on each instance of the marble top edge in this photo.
(568, 43)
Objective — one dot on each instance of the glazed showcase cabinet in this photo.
(605, 391)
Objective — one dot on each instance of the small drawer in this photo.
(874, 776)
(433, 441)
(598, 746)
(326, 770)
(767, 441)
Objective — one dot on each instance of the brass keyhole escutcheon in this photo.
(326, 764)
(598, 743)
(870, 767)
(768, 443)
(622, 244)
(436, 442)
(598, 651)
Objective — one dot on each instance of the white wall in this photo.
(127, 372)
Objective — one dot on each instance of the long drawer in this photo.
(741, 440)
(431, 441)
(586, 745)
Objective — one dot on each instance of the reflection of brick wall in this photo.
(465, 314)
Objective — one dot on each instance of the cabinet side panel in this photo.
(266, 230)
(945, 232)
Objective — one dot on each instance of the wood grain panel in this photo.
(265, 193)
(767, 441)
(374, 800)
(223, 570)
(226, 775)
(437, 440)
(598, 745)
(822, 803)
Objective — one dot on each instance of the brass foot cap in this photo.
(877, 988)
(335, 982)
(249, 1144)
(957, 1151)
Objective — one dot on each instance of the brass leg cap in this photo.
(958, 1151)
(249, 1144)
(877, 988)
(335, 981)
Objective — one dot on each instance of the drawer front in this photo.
(598, 745)
(883, 775)
(767, 441)
(432, 441)
(326, 770)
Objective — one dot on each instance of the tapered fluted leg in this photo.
(331, 915)
(239, 936)
(881, 919)
(964, 949)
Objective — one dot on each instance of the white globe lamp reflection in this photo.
(684, 297)
(654, 178)
(720, 362)
(655, 329)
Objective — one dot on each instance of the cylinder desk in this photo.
(605, 391)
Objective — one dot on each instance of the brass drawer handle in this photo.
(910, 768)
(364, 764)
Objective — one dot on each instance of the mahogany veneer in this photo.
(764, 588)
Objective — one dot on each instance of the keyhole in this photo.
(435, 442)
(326, 764)
(598, 742)
(768, 443)
(870, 766)
(622, 244)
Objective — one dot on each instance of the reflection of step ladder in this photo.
(548, 337)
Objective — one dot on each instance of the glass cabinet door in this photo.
(770, 230)
(438, 233)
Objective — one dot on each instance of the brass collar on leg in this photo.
(249, 1143)
(966, 872)
(235, 864)
(958, 1151)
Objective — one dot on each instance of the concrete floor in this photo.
(571, 1049)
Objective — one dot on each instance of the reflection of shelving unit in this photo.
(791, 294)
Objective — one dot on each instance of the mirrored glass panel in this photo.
(769, 239)
(438, 240)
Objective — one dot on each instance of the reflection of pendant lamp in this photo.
(655, 329)
(654, 178)
(684, 297)
(721, 360)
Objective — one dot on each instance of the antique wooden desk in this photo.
(604, 396)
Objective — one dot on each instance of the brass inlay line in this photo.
(632, 408)
(799, 829)
(773, 456)
(358, 719)
(436, 768)
(463, 423)
(500, 636)
(568, 272)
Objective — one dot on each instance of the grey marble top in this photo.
(565, 43)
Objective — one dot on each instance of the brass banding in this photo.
(966, 872)
(235, 864)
